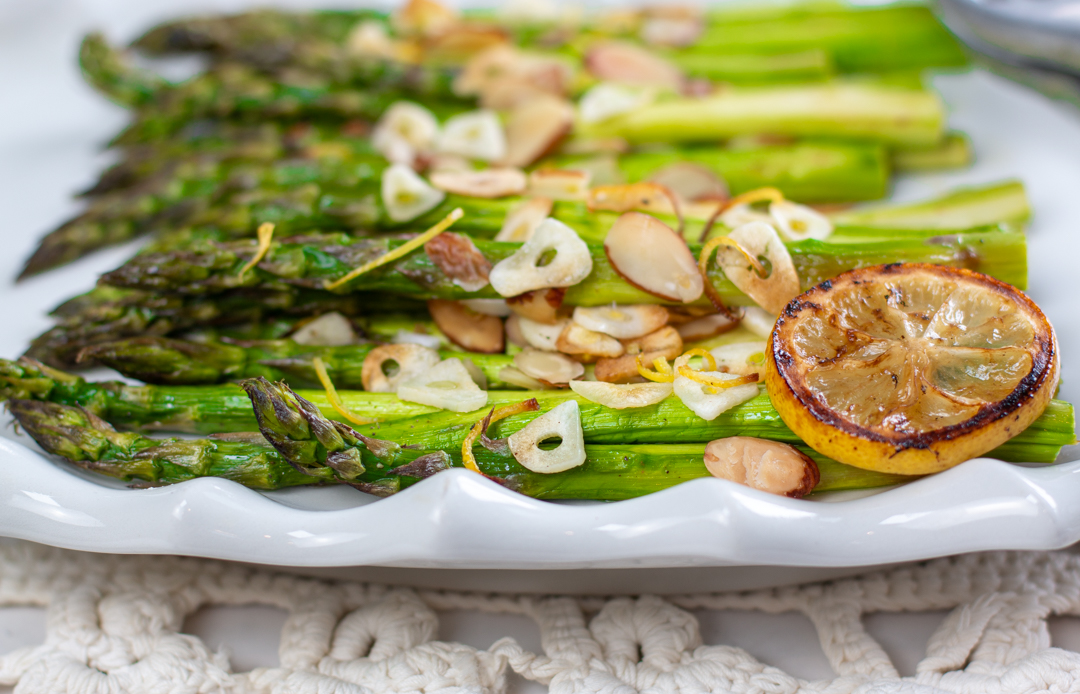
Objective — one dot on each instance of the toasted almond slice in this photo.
(522, 273)
(608, 99)
(704, 328)
(447, 385)
(513, 331)
(758, 321)
(760, 240)
(575, 339)
(710, 405)
(691, 182)
(476, 135)
(522, 221)
(535, 127)
(456, 43)
(540, 335)
(403, 131)
(622, 322)
(649, 255)
(625, 63)
(594, 145)
(559, 184)
(547, 367)
(666, 341)
(562, 421)
(486, 183)
(460, 260)
(622, 396)
(484, 68)
(768, 466)
(473, 332)
(328, 330)
(798, 222)
(489, 307)
(541, 305)
(387, 366)
(514, 377)
(422, 17)
(672, 32)
(626, 197)
(407, 196)
(740, 358)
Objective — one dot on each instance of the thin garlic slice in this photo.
(535, 126)
(486, 183)
(768, 466)
(760, 240)
(798, 222)
(407, 196)
(623, 322)
(447, 385)
(521, 222)
(387, 366)
(560, 184)
(607, 100)
(328, 330)
(551, 368)
(562, 421)
(691, 182)
(740, 358)
(758, 321)
(738, 215)
(708, 405)
(541, 335)
(476, 135)
(403, 131)
(622, 396)
(575, 339)
(522, 272)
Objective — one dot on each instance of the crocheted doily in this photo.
(113, 626)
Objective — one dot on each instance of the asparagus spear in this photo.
(1004, 202)
(223, 408)
(953, 152)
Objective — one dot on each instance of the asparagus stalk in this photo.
(223, 408)
(953, 152)
(1004, 202)
(811, 65)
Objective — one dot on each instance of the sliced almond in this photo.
(706, 401)
(559, 184)
(456, 43)
(522, 272)
(643, 196)
(625, 63)
(672, 32)
(387, 366)
(704, 328)
(608, 99)
(541, 305)
(447, 385)
(446, 162)
(522, 220)
(564, 422)
(760, 240)
(404, 130)
(649, 255)
(691, 182)
(547, 367)
(328, 330)
(768, 466)
(666, 341)
(478, 376)
(460, 260)
(489, 307)
(589, 344)
(622, 396)
(513, 331)
(486, 183)
(541, 335)
(740, 358)
(622, 322)
(422, 17)
(407, 196)
(798, 222)
(508, 374)
(602, 169)
(485, 67)
(369, 39)
(472, 331)
(476, 135)
(594, 145)
(535, 127)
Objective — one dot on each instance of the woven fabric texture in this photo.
(113, 626)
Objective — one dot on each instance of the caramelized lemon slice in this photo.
(910, 368)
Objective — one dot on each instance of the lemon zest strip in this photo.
(266, 236)
(714, 382)
(402, 250)
(663, 373)
(751, 196)
(332, 395)
(716, 242)
(705, 354)
(467, 457)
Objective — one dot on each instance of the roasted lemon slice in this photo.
(910, 369)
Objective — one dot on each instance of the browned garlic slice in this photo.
(559, 184)
(514, 377)
(550, 368)
(758, 321)
(691, 182)
(623, 322)
(768, 466)
(489, 307)
(562, 421)
(328, 330)
(798, 222)
(608, 99)
(407, 196)
(521, 272)
(447, 385)
(535, 126)
(541, 335)
(575, 339)
(541, 305)
(403, 131)
(705, 327)
(387, 366)
(622, 396)
(522, 220)
(649, 255)
(625, 63)
(740, 358)
(760, 240)
(476, 135)
(486, 183)
(473, 332)
(708, 405)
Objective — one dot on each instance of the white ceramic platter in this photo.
(51, 128)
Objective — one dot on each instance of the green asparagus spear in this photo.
(1004, 202)
(953, 152)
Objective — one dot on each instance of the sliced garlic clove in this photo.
(707, 405)
(740, 358)
(559, 184)
(541, 305)
(691, 182)
(649, 255)
(607, 100)
(625, 63)
(562, 421)
(522, 221)
(575, 339)
(447, 385)
(404, 337)
(521, 272)
(547, 367)
(407, 196)
(622, 396)
(404, 126)
(758, 321)
(738, 215)
(760, 240)
(541, 335)
(623, 322)
(514, 377)
(328, 330)
(513, 331)
(798, 222)
(473, 332)
(387, 366)
(489, 307)
(768, 466)
(478, 376)
(706, 327)
(534, 127)
(369, 39)
(476, 135)
(486, 183)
